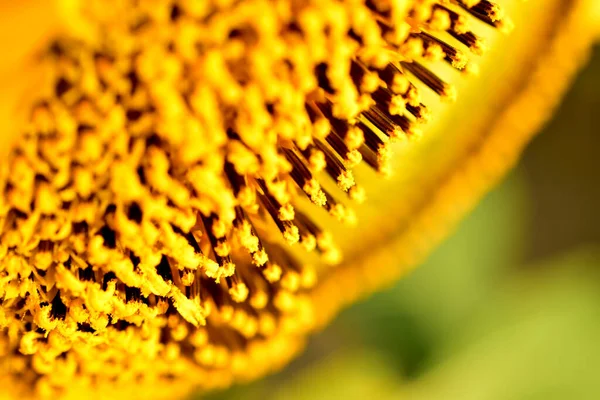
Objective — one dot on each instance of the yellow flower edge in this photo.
(496, 151)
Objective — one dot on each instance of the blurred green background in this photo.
(507, 308)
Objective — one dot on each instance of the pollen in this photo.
(164, 210)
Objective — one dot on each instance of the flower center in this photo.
(154, 196)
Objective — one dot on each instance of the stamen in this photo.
(488, 12)
(431, 80)
(394, 104)
(472, 41)
(286, 227)
(220, 248)
(456, 58)
(335, 168)
(364, 80)
(459, 23)
(394, 78)
(304, 179)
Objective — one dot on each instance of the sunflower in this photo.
(190, 187)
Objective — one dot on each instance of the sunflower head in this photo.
(172, 203)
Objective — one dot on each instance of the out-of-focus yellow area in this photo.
(507, 308)
(25, 26)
